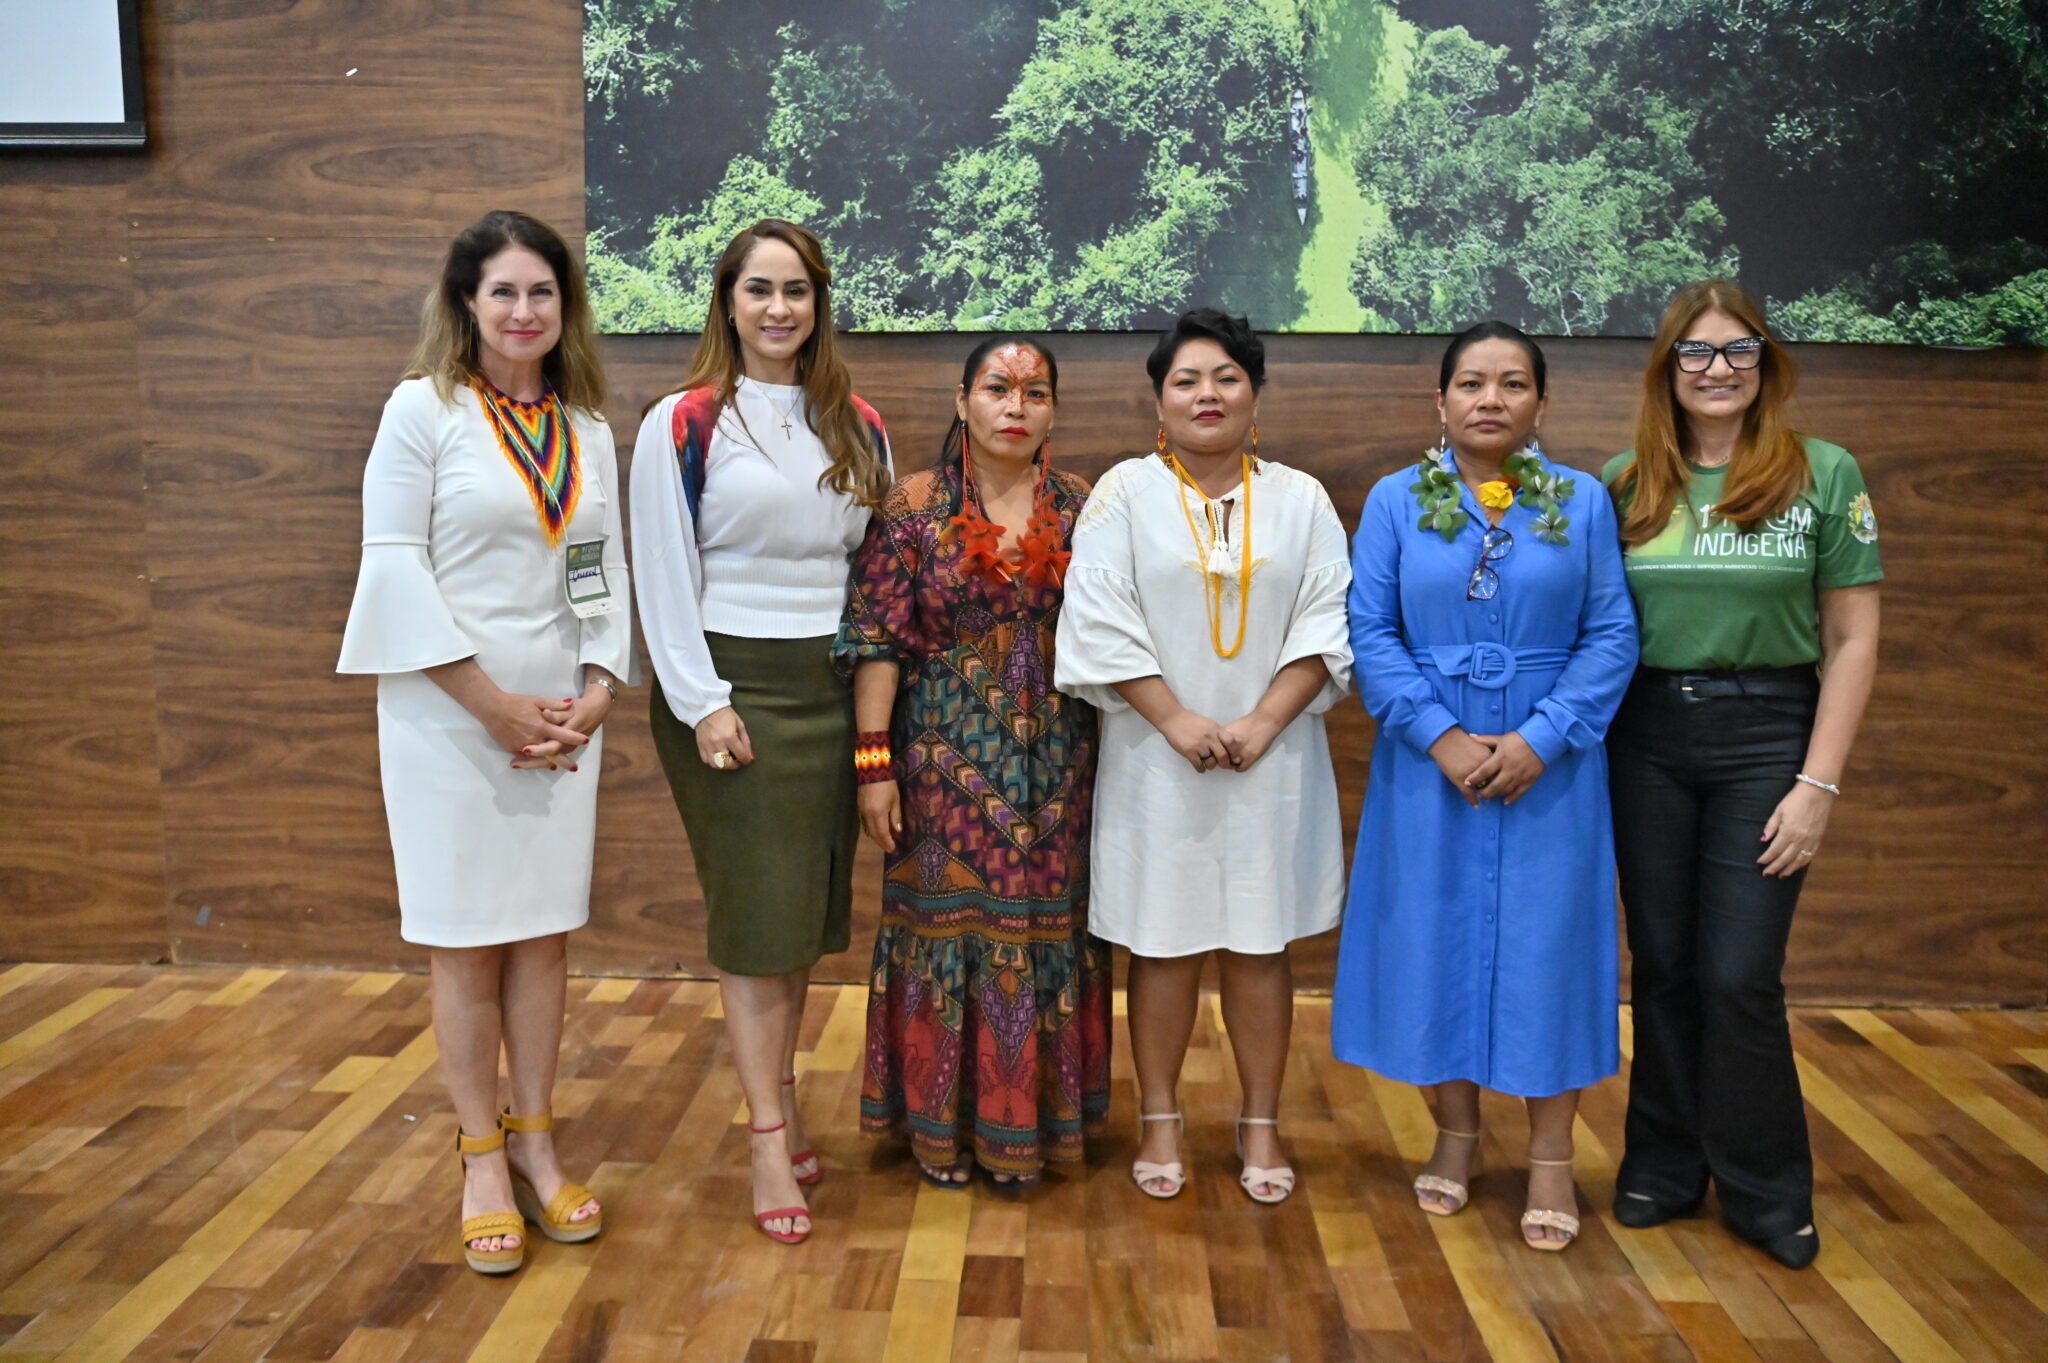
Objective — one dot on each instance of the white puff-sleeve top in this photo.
(455, 565)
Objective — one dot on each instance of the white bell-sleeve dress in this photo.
(455, 565)
(1185, 861)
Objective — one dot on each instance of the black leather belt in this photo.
(1798, 683)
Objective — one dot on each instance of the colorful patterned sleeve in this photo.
(881, 620)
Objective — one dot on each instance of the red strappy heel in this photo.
(817, 1175)
(761, 1219)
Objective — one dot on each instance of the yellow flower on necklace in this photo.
(1497, 495)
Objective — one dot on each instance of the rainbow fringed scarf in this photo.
(540, 443)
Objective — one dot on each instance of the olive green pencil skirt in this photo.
(773, 842)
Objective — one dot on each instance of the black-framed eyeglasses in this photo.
(1485, 582)
(1697, 357)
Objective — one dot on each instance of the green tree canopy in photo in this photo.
(1101, 164)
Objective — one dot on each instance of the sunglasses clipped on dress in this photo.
(1484, 583)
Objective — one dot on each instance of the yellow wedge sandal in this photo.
(553, 1219)
(474, 1228)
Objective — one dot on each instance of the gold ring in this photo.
(720, 758)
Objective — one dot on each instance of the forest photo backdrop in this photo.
(1333, 165)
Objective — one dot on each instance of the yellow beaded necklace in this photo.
(1212, 581)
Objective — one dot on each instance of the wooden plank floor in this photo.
(218, 1165)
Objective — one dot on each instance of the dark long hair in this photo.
(1490, 331)
(949, 452)
(448, 344)
(856, 469)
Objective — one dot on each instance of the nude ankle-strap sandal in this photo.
(1171, 1173)
(1281, 1178)
(556, 1218)
(1564, 1221)
(1444, 1187)
(484, 1227)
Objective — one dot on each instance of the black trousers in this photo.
(1713, 1092)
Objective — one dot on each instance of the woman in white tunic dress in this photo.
(493, 608)
(1216, 805)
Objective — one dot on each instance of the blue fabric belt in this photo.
(1486, 665)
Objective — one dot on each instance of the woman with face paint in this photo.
(989, 1007)
(1752, 558)
(493, 608)
(1494, 638)
(1205, 618)
(752, 485)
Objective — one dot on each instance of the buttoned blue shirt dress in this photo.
(1479, 943)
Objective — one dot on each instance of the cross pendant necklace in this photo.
(785, 414)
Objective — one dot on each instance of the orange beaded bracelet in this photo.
(872, 760)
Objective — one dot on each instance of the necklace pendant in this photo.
(785, 429)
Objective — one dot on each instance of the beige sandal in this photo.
(1252, 1177)
(1170, 1173)
(1564, 1221)
(556, 1219)
(1457, 1192)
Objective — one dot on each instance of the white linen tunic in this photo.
(454, 566)
(1186, 861)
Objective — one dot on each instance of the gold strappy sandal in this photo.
(554, 1219)
(474, 1228)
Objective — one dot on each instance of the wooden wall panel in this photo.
(209, 334)
(81, 837)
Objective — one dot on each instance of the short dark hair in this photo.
(1489, 331)
(1234, 334)
(988, 345)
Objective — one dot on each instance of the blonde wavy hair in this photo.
(447, 350)
(856, 469)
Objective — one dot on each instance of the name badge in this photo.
(583, 575)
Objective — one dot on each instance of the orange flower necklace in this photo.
(1214, 570)
(1042, 555)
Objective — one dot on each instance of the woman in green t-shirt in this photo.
(1751, 553)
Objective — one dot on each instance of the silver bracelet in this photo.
(1819, 784)
(606, 683)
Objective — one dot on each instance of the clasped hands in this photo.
(543, 734)
(1486, 766)
(1208, 745)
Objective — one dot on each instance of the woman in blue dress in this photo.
(1494, 638)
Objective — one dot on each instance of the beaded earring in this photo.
(1255, 442)
(1160, 443)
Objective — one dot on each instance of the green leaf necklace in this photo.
(1439, 492)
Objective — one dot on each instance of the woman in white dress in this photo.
(492, 607)
(752, 486)
(1205, 618)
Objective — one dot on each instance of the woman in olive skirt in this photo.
(751, 488)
